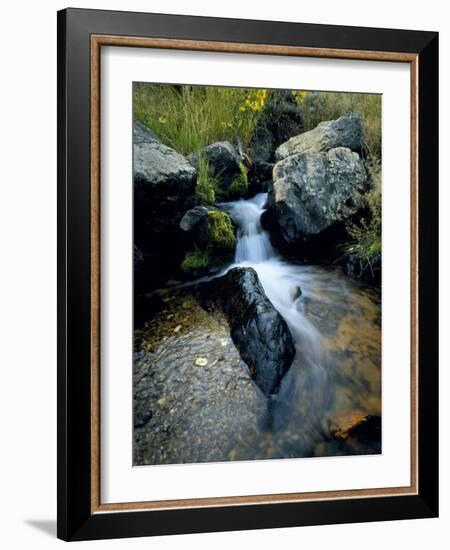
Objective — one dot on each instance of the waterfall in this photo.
(253, 244)
(283, 283)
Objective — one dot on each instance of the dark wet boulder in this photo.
(223, 162)
(258, 331)
(345, 131)
(164, 188)
(193, 217)
(280, 120)
(366, 270)
(259, 177)
(312, 196)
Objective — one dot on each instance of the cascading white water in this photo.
(253, 243)
(282, 282)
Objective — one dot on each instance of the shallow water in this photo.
(216, 412)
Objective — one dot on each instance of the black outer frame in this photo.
(75, 521)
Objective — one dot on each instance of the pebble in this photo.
(201, 361)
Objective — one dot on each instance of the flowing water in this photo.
(215, 412)
(335, 325)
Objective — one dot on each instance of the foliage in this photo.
(205, 189)
(187, 118)
(366, 234)
(254, 100)
(317, 107)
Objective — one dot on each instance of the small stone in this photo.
(177, 328)
(296, 292)
(223, 342)
(201, 361)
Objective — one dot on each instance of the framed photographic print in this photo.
(247, 274)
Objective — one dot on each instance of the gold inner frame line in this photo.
(97, 41)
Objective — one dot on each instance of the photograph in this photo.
(257, 273)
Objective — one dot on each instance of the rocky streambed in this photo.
(255, 351)
(210, 384)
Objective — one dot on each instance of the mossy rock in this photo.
(219, 231)
(239, 188)
(195, 261)
(213, 244)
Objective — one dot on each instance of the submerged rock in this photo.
(258, 331)
(312, 196)
(366, 428)
(345, 131)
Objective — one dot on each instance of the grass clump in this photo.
(206, 186)
(187, 118)
(366, 234)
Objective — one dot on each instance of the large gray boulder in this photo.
(142, 134)
(162, 172)
(223, 161)
(258, 331)
(164, 188)
(346, 131)
(312, 194)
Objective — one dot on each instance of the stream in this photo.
(217, 413)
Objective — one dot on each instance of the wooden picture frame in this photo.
(81, 35)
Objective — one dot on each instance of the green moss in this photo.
(214, 243)
(219, 229)
(194, 261)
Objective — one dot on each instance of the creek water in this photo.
(336, 327)
(194, 400)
